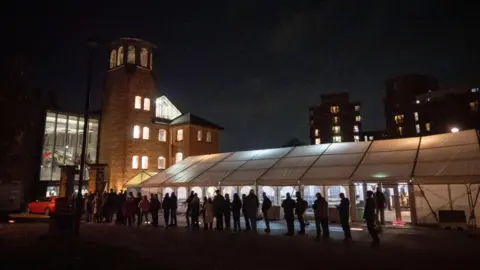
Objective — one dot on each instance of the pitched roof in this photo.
(189, 118)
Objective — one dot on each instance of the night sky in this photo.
(254, 67)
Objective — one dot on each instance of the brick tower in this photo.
(127, 108)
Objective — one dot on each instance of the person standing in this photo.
(154, 208)
(300, 208)
(288, 206)
(344, 213)
(226, 211)
(245, 214)
(137, 212)
(129, 209)
(266, 205)
(188, 202)
(173, 209)
(209, 213)
(144, 206)
(380, 206)
(369, 216)
(251, 207)
(204, 206)
(166, 206)
(195, 212)
(320, 208)
(219, 209)
(236, 208)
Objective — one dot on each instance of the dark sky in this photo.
(254, 67)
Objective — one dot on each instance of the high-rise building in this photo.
(335, 120)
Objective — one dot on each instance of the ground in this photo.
(118, 247)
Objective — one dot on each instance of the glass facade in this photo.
(62, 143)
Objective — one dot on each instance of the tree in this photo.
(294, 142)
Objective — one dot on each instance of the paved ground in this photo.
(116, 247)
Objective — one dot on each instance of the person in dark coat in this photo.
(300, 208)
(245, 215)
(204, 205)
(166, 206)
(173, 209)
(288, 206)
(226, 211)
(380, 206)
(344, 213)
(320, 209)
(195, 212)
(154, 208)
(119, 204)
(266, 205)
(188, 202)
(236, 208)
(251, 208)
(219, 209)
(369, 216)
(137, 211)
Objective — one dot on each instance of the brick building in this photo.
(139, 131)
(336, 119)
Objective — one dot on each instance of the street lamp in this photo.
(78, 207)
(454, 130)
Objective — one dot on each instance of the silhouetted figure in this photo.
(320, 209)
(300, 208)
(266, 205)
(209, 213)
(204, 206)
(288, 206)
(388, 200)
(236, 208)
(173, 209)
(188, 202)
(251, 207)
(129, 210)
(369, 216)
(121, 197)
(380, 205)
(245, 214)
(219, 209)
(344, 213)
(154, 208)
(195, 212)
(144, 206)
(226, 211)
(137, 201)
(166, 206)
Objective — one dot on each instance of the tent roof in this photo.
(430, 159)
(139, 178)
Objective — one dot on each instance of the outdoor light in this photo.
(454, 130)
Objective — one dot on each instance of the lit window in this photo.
(355, 128)
(400, 130)
(316, 132)
(144, 162)
(336, 129)
(336, 119)
(337, 139)
(365, 138)
(162, 135)
(358, 118)
(398, 119)
(474, 106)
(199, 135)
(428, 99)
(356, 138)
(415, 114)
(135, 162)
(146, 104)
(178, 157)
(371, 138)
(146, 133)
(474, 90)
(120, 56)
(131, 55)
(143, 57)
(138, 102)
(417, 128)
(136, 132)
(179, 135)
(317, 141)
(209, 136)
(418, 101)
(334, 109)
(357, 108)
(161, 163)
(427, 126)
(113, 58)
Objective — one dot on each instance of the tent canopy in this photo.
(428, 159)
(139, 178)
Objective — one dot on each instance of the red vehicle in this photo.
(44, 206)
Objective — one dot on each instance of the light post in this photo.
(79, 200)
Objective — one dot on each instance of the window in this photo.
(113, 58)
(144, 162)
(418, 101)
(400, 130)
(415, 115)
(143, 57)
(334, 109)
(474, 90)
(199, 135)
(474, 106)
(336, 119)
(135, 162)
(427, 126)
(417, 128)
(357, 108)
(358, 118)
(355, 129)
(136, 132)
(138, 102)
(336, 129)
(365, 138)
(161, 163)
(120, 56)
(356, 138)
(131, 55)
(398, 119)
(316, 132)
(179, 135)
(209, 136)
(146, 133)
(146, 104)
(178, 157)
(337, 139)
(371, 138)
(317, 141)
(162, 135)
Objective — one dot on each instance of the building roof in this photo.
(189, 118)
(435, 159)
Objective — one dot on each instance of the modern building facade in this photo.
(372, 135)
(335, 120)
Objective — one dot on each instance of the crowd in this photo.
(129, 209)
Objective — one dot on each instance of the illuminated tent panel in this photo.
(296, 162)
(243, 155)
(258, 164)
(282, 176)
(275, 153)
(308, 150)
(242, 178)
(176, 168)
(214, 158)
(184, 177)
(209, 178)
